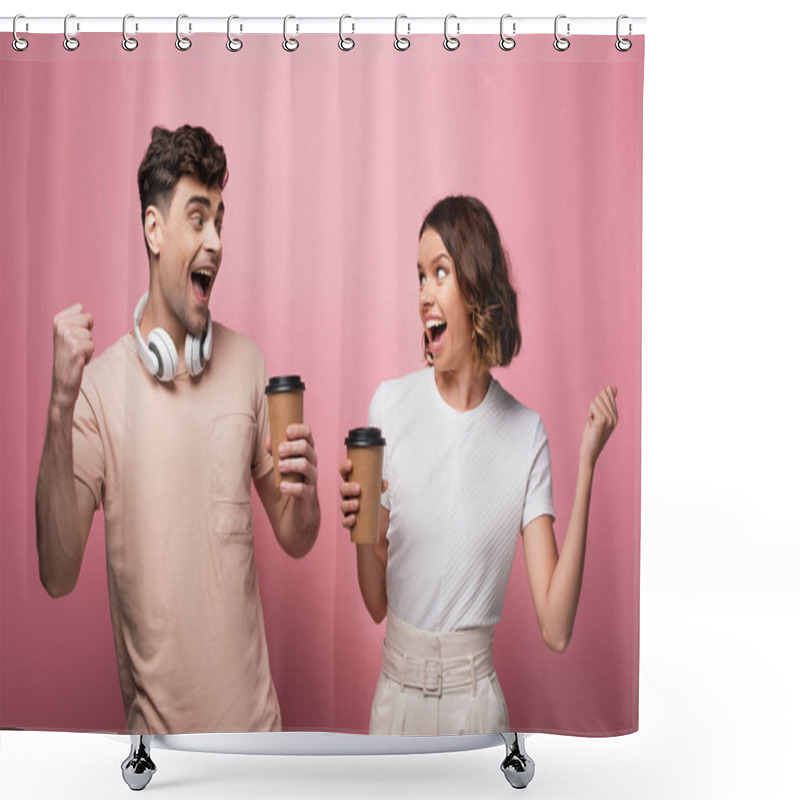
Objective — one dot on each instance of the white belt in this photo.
(435, 676)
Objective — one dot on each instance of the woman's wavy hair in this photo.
(472, 240)
(171, 155)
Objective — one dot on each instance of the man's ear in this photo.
(153, 234)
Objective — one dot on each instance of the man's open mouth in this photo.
(202, 278)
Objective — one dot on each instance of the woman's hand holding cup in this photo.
(350, 493)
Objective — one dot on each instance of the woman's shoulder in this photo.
(398, 397)
(513, 410)
(399, 389)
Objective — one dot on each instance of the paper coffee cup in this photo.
(285, 400)
(365, 450)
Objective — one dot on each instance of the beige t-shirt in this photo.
(171, 465)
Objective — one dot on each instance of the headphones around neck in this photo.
(159, 354)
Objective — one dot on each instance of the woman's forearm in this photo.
(372, 580)
(371, 560)
(565, 584)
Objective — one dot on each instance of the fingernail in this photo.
(282, 449)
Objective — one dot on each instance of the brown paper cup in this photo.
(365, 450)
(285, 399)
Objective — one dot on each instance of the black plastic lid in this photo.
(365, 437)
(285, 383)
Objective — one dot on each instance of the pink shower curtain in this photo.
(335, 158)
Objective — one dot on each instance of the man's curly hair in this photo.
(171, 155)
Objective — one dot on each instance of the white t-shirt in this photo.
(462, 486)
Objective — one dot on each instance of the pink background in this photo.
(334, 160)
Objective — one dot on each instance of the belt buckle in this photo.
(435, 691)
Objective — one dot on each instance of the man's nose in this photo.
(213, 240)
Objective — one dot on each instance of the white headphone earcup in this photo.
(197, 350)
(193, 355)
(207, 339)
(161, 345)
(148, 357)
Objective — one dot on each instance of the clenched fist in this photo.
(72, 349)
(600, 423)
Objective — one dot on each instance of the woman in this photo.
(466, 468)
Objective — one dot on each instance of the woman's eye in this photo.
(441, 273)
(421, 279)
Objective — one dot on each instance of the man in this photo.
(169, 446)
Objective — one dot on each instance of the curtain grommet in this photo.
(507, 43)
(17, 42)
(401, 43)
(622, 44)
(129, 43)
(233, 44)
(451, 43)
(290, 44)
(71, 43)
(561, 43)
(183, 43)
(345, 42)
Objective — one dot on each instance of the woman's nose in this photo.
(426, 295)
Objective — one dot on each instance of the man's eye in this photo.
(197, 220)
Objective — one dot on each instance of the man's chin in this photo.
(198, 326)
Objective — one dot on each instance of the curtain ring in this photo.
(183, 43)
(70, 42)
(623, 45)
(345, 42)
(233, 44)
(561, 43)
(290, 44)
(400, 42)
(506, 42)
(18, 43)
(129, 43)
(451, 42)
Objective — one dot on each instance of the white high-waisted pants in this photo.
(437, 683)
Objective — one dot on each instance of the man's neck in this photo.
(157, 315)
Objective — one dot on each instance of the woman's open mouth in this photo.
(435, 328)
(202, 278)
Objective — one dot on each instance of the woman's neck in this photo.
(464, 389)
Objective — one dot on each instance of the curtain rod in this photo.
(406, 25)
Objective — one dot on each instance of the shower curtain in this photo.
(334, 157)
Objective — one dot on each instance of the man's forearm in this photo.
(58, 539)
(298, 525)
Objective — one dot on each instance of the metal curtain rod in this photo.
(407, 25)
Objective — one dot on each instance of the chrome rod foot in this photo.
(138, 768)
(517, 766)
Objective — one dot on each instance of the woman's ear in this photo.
(152, 229)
